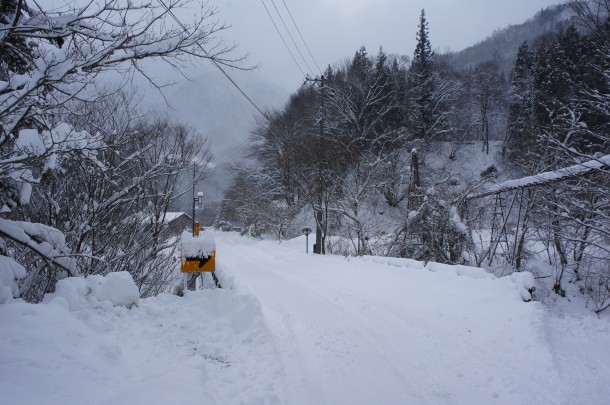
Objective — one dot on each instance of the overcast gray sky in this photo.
(335, 29)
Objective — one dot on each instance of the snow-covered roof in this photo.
(172, 216)
(169, 217)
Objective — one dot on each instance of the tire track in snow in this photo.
(376, 347)
(411, 325)
(337, 341)
(282, 326)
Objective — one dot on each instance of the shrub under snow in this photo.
(117, 289)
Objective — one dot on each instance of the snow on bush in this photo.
(10, 272)
(118, 289)
(457, 221)
(525, 284)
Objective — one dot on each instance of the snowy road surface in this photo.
(358, 332)
(292, 328)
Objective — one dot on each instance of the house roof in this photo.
(172, 216)
(169, 217)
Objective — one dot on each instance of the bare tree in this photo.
(55, 58)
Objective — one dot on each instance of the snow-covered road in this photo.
(359, 332)
(294, 328)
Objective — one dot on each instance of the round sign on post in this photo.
(306, 231)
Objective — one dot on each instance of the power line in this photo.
(236, 149)
(171, 13)
(301, 35)
(290, 35)
(282, 38)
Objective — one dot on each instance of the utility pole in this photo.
(194, 199)
(191, 278)
(320, 239)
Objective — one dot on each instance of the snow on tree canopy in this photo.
(42, 239)
(201, 246)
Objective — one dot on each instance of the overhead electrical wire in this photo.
(171, 13)
(235, 151)
(282, 38)
(301, 35)
(291, 37)
(242, 144)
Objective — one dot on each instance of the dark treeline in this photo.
(360, 155)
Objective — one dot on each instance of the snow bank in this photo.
(395, 261)
(525, 284)
(201, 246)
(208, 347)
(10, 272)
(118, 289)
(523, 281)
(465, 271)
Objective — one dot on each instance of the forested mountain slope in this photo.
(501, 47)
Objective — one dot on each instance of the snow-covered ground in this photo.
(293, 328)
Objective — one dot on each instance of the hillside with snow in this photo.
(297, 328)
(501, 47)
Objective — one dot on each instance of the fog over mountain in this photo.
(211, 105)
(215, 108)
(502, 46)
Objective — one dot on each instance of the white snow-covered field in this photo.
(291, 328)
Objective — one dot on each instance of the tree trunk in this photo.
(526, 216)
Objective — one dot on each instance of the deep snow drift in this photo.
(303, 329)
(208, 347)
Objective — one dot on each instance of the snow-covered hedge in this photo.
(118, 289)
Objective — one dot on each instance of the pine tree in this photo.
(421, 83)
(382, 79)
(423, 56)
(398, 75)
(520, 135)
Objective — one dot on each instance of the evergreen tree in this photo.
(396, 116)
(359, 69)
(421, 83)
(384, 82)
(561, 71)
(423, 56)
(520, 136)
